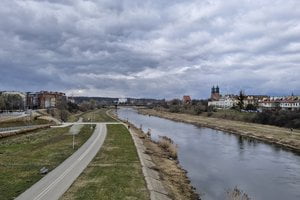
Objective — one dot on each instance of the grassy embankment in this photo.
(98, 115)
(271, 134)
(23, 122)
(74, 117)
(115, 172)
(22, 156)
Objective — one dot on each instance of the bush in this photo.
(250, 107)
(168, 145)
(64, 115)
(72, 107)
(209, 114)
(289, 119)
(174, 109)
(237, 194)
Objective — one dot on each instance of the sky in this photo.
(150, 48)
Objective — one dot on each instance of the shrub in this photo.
(168, 145)
(209, 114)
(174, 109)
(289, 119)
(237, 194)
(250, 107)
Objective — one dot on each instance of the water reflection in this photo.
(217, 161)
(241, 142)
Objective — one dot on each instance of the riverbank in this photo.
(172, 175)
(270, 134)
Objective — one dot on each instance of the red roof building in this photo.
(186, 100)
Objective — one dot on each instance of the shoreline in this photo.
(171, 174)
(269, 134)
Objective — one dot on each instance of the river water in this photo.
(217, 161)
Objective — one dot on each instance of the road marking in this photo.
(57, 180)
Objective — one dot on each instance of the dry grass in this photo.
(168, 145)
(237, 194)
(173, 176)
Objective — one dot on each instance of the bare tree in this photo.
(2, 103)
(241, 99)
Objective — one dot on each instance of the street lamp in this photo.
(73, 140)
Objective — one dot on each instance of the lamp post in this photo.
(73, 140)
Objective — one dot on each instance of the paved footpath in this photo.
(56, 183)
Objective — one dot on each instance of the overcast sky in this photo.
(150, 48)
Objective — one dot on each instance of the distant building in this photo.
(254, 99)
(122, 100)
(32, 100)
(230, 100)
(215, 93)
(44, 99)
(224, 102)
(186, 100)
(280, 103)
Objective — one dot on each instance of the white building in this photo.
(290, 105)
(122, 100)
(224, 102)
(284, 103)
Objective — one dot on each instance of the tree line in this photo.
(65, 108)
(282, 118)
(10, 102)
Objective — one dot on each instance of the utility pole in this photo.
(73, 140)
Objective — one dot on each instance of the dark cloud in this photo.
(150, 48)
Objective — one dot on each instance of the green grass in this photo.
(115, 172)
(74, 117)
(98, 115)
(23, 123)
(21, 157)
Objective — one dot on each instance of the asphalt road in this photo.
(54, 185)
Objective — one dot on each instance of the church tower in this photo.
(215, 93)
(217, 89)
(213, 90)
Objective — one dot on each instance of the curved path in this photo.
(53, 185)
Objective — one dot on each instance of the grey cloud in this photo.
(150, 48)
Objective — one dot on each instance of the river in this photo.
(217, 161)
